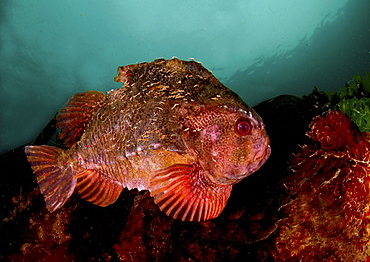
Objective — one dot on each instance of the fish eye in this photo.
(243, 127)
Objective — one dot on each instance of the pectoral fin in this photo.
(183, 191)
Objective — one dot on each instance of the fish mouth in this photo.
(263, 151)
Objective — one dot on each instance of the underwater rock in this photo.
(326, 216)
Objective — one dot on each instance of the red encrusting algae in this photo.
(327, 213)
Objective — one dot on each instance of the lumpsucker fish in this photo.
(172, 129)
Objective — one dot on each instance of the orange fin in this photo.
(76, 113)
(184, 192)
(55, 180)
(98, 189)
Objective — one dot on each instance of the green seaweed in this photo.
(353, 100)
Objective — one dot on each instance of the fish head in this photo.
(229, 143)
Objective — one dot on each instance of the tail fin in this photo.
(54, 177)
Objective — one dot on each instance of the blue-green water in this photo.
(52, 49)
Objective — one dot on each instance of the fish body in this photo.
(172, 129)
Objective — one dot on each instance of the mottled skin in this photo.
(172, 128)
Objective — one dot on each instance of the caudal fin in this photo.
(54, 177)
